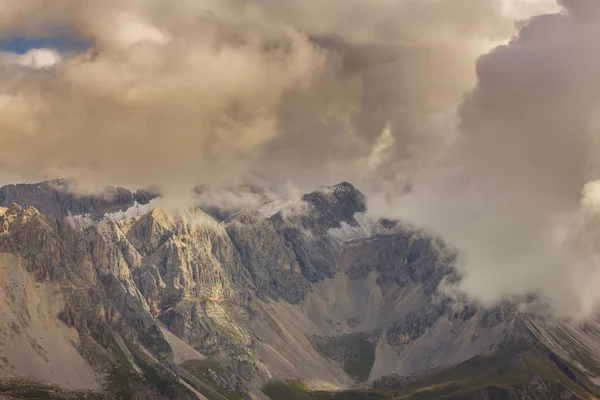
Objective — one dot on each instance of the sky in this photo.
(21, 44)
(475, 120)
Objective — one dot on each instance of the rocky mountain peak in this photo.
(16, 215)
(336, 204)
(57, 198)
(16, 210)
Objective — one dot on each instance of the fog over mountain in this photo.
(475, 120)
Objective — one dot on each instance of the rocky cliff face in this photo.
(268, 257)
(55, 198)
(178, 304)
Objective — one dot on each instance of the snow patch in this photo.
(367, 227)
(136, 210)
(80, 222)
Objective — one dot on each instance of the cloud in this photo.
(234, 199)
(41, 58)
(226, 91)
(169, 97)
(517, 193)
(393, 65)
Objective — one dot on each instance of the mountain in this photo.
(57, 199)
(304, 299)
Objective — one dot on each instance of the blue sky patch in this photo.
(21, 44)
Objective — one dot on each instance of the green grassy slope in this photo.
(519, 370)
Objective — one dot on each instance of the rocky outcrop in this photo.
(184, 270)
(271, 262)
(330, 206)
(57, 199)
(402, 257)
(306, 231)
(410, 328)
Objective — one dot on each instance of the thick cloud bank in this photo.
(209, 91)
(517, 192)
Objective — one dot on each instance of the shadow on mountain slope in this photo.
(519, 370)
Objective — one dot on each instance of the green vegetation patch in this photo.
(297, 390)
(155, 342)
(202, 366)
(515, 366)
(199, 376)
(120, 378)
(27, 389)
(288, 390)
(124, 381)
(517, 369)
(355, 352)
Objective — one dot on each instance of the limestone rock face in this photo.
(99, 298)
(306, 231)
(314, 291)
(191, 253)
(176, 266)
(270, 261)
(401, 258)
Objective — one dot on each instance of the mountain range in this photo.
(119, 296)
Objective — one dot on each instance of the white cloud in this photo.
(40, 58)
